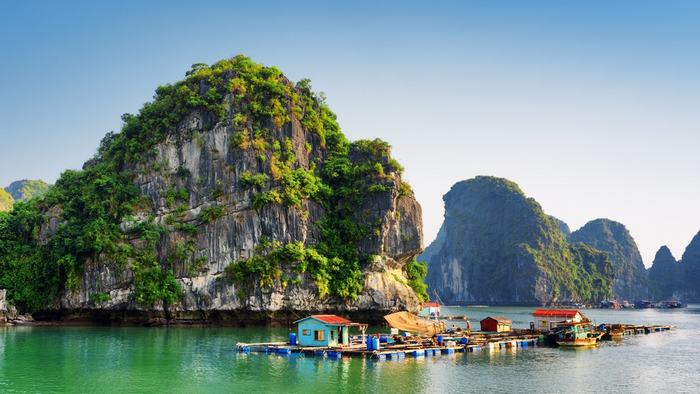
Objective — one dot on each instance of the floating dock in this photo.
(411, 347)
(384, 348)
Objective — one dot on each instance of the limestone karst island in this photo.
(468, 197)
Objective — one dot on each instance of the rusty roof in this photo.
(555, 312)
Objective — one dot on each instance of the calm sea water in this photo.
(188, 360)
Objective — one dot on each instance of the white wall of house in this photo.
(547, 322)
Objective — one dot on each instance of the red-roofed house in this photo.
(496, 324)
(545, 319)
(324, 330)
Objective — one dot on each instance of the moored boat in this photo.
(643, 304)
(670, 304)
(613, 332)
(581, 334)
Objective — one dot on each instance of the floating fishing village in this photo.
(427, 334)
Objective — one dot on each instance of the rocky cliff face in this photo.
(248, 205)
(664, 274)
(563, 227)
(435, 246)
(498, 247)
(612, 237)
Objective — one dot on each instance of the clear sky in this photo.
(592, 107)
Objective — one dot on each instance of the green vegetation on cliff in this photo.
(612, 237)
(417, 272)
(89, 214)
(6, 201)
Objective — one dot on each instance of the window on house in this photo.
(305, 332)
(332, 335)
(318, 335)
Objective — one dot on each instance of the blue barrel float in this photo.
(292, 338)
(439, 340)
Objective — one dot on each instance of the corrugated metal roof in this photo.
(431, 304)
(328, 319)
(555, 312)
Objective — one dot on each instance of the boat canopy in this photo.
(407, 321)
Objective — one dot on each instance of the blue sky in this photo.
(592, 107)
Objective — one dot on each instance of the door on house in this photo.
(343, 335)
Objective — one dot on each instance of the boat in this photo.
(613, 332)
(610, 304)
(643, 304)
(671, 304)
(455, 317)
(409, 322)
(581, 334)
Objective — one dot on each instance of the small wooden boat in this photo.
(455, 317)
(581, 334)
(614, 332)
(407, 321)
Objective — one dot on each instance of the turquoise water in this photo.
(187, 359)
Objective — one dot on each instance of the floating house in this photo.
(643, 304)
(496, 324)
(430, 309)
(546, 319)
(610, 304)
(325, 331)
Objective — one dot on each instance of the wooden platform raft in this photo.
(392, 347)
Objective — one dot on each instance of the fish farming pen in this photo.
(386, 347)
(328, 336)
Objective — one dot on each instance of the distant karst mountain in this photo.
(690, 262)
(612, 237)
(27, 188)
(497, 246)
(677, 279)
(665, 274)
